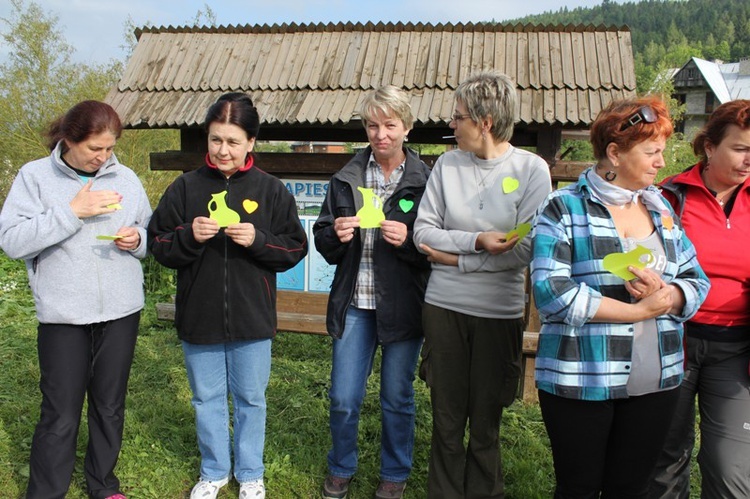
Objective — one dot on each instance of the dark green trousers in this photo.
(472, 366)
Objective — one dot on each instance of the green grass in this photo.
(159, 457)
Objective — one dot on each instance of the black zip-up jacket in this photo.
(400, 273)
(226, 292)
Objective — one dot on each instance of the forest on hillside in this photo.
(667, 33)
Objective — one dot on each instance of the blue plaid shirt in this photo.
(587, 360)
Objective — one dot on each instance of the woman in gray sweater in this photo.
(77, 218)
(474, 311)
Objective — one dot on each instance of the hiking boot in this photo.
(253, 490)
(336, 487)
(208, 489)
(390, 490)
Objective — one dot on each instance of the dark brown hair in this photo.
(83, 120)
(736, 112)
(608, 125)
(235, 108)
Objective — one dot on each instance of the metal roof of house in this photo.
(317, 74)
(712, 74)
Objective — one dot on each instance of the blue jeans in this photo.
(353, 355)
(241, 368)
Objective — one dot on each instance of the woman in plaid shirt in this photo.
(610, 350)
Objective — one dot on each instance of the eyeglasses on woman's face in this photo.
(644, 114)
(458, 117)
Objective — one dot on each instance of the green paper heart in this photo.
(618, 263)
(510, 184)
(522, 230)
(406, 205)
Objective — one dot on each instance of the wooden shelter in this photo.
(308, 81)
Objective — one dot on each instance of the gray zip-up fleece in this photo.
(75, 277)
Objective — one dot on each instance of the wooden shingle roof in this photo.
(316, 74)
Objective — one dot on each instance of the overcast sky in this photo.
(95, 28)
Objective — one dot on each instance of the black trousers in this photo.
(472, 366)
(76, 361)
(609, 447)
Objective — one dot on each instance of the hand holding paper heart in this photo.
(521, 230)
(618, 263)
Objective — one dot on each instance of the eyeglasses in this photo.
(644, 114)
(459, 117)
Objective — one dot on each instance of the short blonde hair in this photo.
(390, 101)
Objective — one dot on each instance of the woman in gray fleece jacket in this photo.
(77, 218)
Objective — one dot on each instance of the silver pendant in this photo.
(481, 205)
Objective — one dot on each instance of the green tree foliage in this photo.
(668, 32)
(38, 83)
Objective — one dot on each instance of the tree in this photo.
(38, 83)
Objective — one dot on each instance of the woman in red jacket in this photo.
(713, 200)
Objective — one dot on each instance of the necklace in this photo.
(481, 181)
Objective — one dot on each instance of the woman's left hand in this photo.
(393, 232)
(437, 256)
(242, 233)
(647, 282)
(130, 239)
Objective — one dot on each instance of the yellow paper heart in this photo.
(249, 205)
(618, 263)
(510, 184)
(522, 230)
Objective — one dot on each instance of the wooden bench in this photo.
(301, 312)
(296, 311)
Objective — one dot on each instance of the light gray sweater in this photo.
(449, 219)
(75, 278)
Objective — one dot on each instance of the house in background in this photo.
(704, 85)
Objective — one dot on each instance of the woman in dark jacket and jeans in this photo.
(377, 292)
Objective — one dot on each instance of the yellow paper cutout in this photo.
(510, 184)
(114, 206)
(371, 213)
(106, 237)
(250, 205)
(618, 263)
(522, 230)
(666, 220)
(219, 211)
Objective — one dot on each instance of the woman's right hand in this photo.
(88, 203)
(204, 228)
(344, 228)
(657, 303)
(495, 243)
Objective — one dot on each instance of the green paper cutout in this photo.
(371, 213)
(219, 211)
(406, 205)
(618, 263)
(114, 206)
(106, 237)
(510, 184)
(522, 230)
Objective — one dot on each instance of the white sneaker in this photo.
(253, 490)
(207, 489)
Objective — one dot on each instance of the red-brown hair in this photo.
(83, 120)
(736, 112)
(608, 125)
